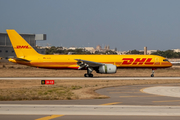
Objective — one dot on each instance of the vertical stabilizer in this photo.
(21, 47)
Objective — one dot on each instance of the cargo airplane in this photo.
(104, 64)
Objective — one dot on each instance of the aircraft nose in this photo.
(170, 64)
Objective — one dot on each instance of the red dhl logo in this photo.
(137, 61)
(22, 47)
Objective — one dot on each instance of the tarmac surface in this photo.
(148, 102)
(85, 117)
(89, 78)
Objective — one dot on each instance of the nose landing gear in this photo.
(152, 75)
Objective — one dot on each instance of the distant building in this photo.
(151, 51)
(43, 47)
(148, 51)
(72, 48)
(6, 49)
(106, 47)
(90, 49)
(121, 52)
(98, 48)
(176, 50)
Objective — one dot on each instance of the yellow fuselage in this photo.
(121, 61)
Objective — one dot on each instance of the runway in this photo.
(89, 110)
(89, 78)
(124, 102)
(85, 117)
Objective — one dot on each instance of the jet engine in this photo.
(106, 69)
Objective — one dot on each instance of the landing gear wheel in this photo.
(152, 75)
(89, 71)
(90, 75)
(86, 75)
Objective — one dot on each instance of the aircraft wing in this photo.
(85, 63)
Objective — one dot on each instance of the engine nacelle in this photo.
(107, 69)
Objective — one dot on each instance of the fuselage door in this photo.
(157, 61)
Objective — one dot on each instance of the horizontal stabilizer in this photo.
(20, 59)
(15, 60)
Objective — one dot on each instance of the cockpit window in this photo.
(165, 60)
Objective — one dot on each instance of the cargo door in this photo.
(157, 61)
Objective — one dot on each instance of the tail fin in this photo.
(21, 47)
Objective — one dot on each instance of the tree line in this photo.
(166, 54)
(60, 50)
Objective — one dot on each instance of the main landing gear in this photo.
(89, 71)
(152, 75)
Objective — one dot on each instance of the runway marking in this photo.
(142, 90)
(49, 117)
(124, 92)
(111, 103)
(139, 96)
(168, 101)
(165, 91)
(119, 89)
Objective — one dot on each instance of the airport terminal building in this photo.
(6, 49)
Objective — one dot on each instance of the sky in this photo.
(124, 24)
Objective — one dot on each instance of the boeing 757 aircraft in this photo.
(104, 64)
